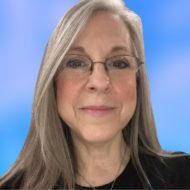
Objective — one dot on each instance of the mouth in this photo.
(98, 111)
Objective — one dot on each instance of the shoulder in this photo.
(171, 172)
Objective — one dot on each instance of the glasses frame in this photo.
(139, 62)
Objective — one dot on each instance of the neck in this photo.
(99, 162)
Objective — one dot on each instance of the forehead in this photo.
(104, 30)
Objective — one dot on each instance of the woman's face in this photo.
(98, 107)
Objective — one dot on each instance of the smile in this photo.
(98, 111)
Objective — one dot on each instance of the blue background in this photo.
(25, 27)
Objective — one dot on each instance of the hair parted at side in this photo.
(48, 155)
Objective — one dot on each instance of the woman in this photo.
(92, 124)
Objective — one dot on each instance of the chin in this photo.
(100, 135)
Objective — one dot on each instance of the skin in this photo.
(97, 134)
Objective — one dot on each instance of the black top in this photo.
(174, 173)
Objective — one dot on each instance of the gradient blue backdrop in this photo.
(25, 27)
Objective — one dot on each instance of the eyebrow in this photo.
(113, 49)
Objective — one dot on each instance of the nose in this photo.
(99, 81)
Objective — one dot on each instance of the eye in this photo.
(121, 64)
(76, 63)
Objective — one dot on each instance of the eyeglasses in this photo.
(76, 65)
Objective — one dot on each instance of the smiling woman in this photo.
(98, 97)
(92, 125)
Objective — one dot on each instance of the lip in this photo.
(98, 111)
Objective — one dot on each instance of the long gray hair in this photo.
(48, 155)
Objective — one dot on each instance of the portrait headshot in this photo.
(92, 120)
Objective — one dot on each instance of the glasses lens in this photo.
(122, 63)
(76, 63)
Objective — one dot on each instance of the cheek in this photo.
(66, 95)
(127, 90)
(127, 95)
